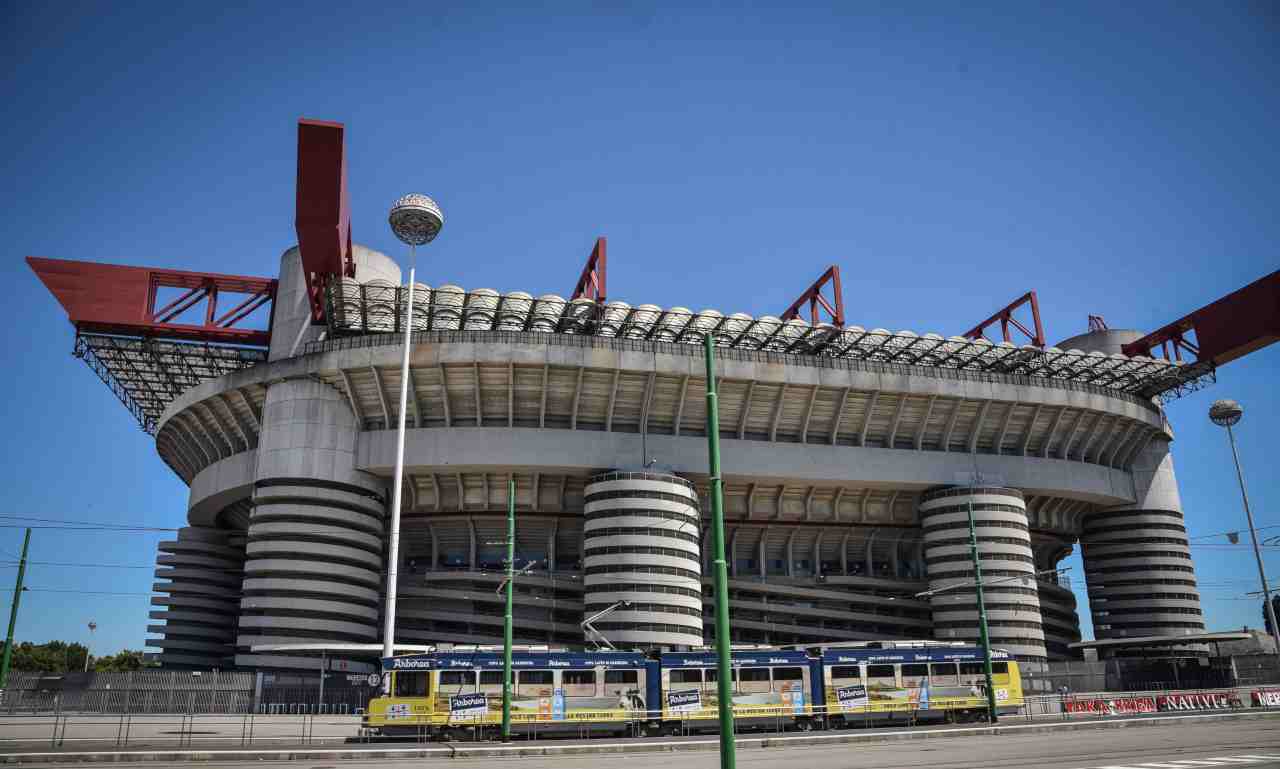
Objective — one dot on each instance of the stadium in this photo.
(851, 457)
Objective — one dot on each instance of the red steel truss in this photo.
(1005, 318)
(813, 295)
(115, 299)
(1235, 325)
(323, 214)
(591, 284)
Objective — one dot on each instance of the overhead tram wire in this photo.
(87, 525)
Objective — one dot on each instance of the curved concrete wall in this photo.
(1107, 342)
(291, 319)
(641, 544)
(1004, 550)
(201, 570)
(1137, 560)
(314, 568)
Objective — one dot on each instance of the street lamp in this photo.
(1226, 413)
(416, 220)
(92, 627)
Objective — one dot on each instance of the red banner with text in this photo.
(1112, 706)
(1199, 701)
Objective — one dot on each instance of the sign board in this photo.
(468, 705)
(374, 679)
(1201, 701)
(1266, 698)
(684, 701)
(398, 710)
(1111, 707)
(851, 696)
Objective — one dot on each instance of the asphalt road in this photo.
(1183, 744)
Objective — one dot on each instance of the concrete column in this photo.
(314, 568)
(1137, 561)
(641, 544)
(1008, 569)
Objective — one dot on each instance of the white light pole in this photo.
(1225, 413)
(416, 220)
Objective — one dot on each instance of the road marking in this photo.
(1190, 763)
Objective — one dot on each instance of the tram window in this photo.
(943, 674)
(753, 680)
(1000, 668)
(885, 675)
(843, 675)
(912, 675)
(411, 684)
(786, 679)
(491, 681)
(620, 681)
(457, 681)
(578, 683)
(686, 676)
(534, 682)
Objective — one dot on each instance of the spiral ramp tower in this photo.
(641, 546)
(1008, 569)
(1141, 580)
(201, 572)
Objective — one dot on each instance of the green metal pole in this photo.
(984, 637)
(724, 678)
(13, 614)
(506, 619)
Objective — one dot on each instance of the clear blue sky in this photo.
(1121, 161)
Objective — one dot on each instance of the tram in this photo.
(452, 694)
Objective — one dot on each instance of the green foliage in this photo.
(63, 657)
(121, 662)
(51, 657)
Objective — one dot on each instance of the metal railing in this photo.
(193, 730)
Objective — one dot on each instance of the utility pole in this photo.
(724, 677)
(13, 613)
(506, 619)
(984, 637)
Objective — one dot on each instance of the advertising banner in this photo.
(1112, 706)
(686, 701)
(794, 698)
(849, 697)
(468, 706)
(1266, 698)
(1199, 701)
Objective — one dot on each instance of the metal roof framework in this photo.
(147, 374)
(453, 311)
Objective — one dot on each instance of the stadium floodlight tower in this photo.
(1226, 413)
(416, 220)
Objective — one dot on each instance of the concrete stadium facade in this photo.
(846, 491)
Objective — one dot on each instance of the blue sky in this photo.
(1121, 161)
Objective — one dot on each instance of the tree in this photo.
(51, 657)
(121, 662)
(1275, 606)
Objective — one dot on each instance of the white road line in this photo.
(1190, 763)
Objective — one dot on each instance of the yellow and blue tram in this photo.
(459, 691)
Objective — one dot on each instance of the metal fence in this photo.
(85, 731)
(184, 692)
